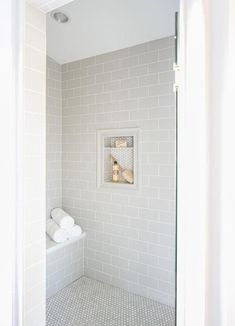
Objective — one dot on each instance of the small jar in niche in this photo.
(116, 172)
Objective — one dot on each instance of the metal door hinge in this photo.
(176, 67)
(176, 87)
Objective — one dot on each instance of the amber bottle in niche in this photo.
(115, 171)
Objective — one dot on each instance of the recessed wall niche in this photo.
(118, 158)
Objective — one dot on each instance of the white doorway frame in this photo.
(192, 187)
(11, 129)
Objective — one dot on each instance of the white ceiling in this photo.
(101, 26)
(48, 5)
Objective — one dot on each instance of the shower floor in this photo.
(87, 302)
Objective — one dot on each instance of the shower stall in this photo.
(107, 104)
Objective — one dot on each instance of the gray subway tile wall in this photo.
(129, 234)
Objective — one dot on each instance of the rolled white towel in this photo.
(76, 231)
(55, 232)
(64, 220)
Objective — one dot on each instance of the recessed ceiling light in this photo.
(60, 17)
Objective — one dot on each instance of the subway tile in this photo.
(103, 277)
(167, 124)
(159, 274)
(89, 80)
(159, 112)
(131, 255)
(120, 283)
(130, 233)
(139, 202)
(128, 275)
(87, 62)
(35, 316)
(34, 102)
(167, 100)
(120, 262)
(160, 66)
(112, 66)
(166, 147)
(127, 105)
(79, 91)
(138, 223)
(120, 95)
(34, 59)
(120, 74)
(95, 89)
(111, 270)
(167, 77)
(104, 97)
(73, 83)
(139, 92)
(129, 62)
(103, 58)
(159, 181)
(95, 69)
(148, 281)
(119, 241)
(68, 75)
(112, 86)
(80, 73)
(140, 246)
(138, 49)
(104, 77)
(35, 18)
(73, 65)
(149, 79)
(138, 267)
(34, 253)
(120, 54)
(95, 265)
(148, 102)
(111, 106)
(148, 57)
(138, 71)
(119, 219)
(159, 44)
(139, 114)
(34, 124)
(35, 38)
(160, 227)
(129, 83)
(167, 170)
(161, 89)
(35, 81)
(138, 289)
(166, 53)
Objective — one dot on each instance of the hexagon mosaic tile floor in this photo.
(87, 302)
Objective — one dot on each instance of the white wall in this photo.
(34, 169)
(103, 26)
